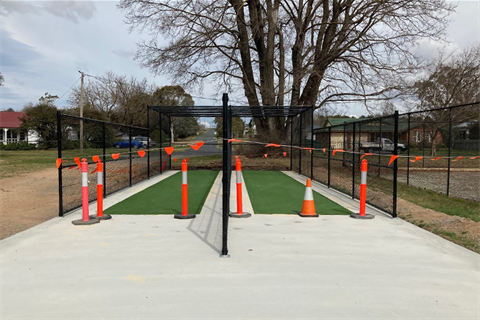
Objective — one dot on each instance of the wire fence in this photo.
(128, 153)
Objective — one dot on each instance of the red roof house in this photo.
(11, 129)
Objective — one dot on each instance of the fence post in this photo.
(449, 152)
(379, 157)
(353, 161)
(329, 148)
(423, 145)
(161, 141)
(408, 151)
(291, 143)
(395, 166)
(60, 178)
(311, 154)
(300, 145)
(130, 154)
(170, 158)
(148, 142)
(104, 161)
(225, 180)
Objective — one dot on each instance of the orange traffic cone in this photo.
(308, 208)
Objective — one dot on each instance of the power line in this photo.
(68, 89)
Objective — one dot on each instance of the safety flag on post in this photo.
(273, 145)
(284, 154)
(392, 158)
(416, 159)
(141, 153)
(59, 162)
(95, 159)
(115, 156)
(366, 154)
(169, 150)
(197, 145)
(337, 150)
(77, 161)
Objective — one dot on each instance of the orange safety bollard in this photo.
(308, 207)
(86, 219)
(100, 215)
(363, 194)
(239, 213)
(184, 214)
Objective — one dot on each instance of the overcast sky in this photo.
(45, 43)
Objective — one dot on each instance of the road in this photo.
(208, 149)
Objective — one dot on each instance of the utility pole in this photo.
(81, 112)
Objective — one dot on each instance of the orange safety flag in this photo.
(338, 150)
(392, 158)
(416, 159)
(284, 154)
(234, 140)
(169, 150)
(141, 153)
(197, 146)
(324, 150)
(251, 156)
(265, 155)
(366, 154)
(307, 148)
(94, 170)
(72, 168)
(273, 145)
(471, 158)
(187, 159)
(59, 162)
(175, 159)
(236, 157)
(458, 159)
(310, 151)
(437, 158)
(95, 158)
(77, 161)
(115, 156)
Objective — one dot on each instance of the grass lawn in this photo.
(165, 197)
(275, 192)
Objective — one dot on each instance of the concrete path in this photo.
(281, 267)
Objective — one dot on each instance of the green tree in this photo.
(2, 79)
(42, 118)
(176, 96)
(238, 127)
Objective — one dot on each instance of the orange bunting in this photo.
(392, 158)
(416, 159)
(273, 145)
(284, 154)
(437, 158)
(265, 155)
(169, 150)
(324, 150)
(175, 159)
(458, 159)
(310, 151)
(236, 157)
(187, 159)
(70, 168)
(94, 170)
(77, 161)
(234, 140)
(366, 154)
(197, 146)
(337, 150)
(471, 158)
(141, 153)
(95, 158)
(307, 148)
(115, 156)
(59, 162)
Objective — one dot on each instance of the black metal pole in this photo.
(130, 155)
(423, 144)
(291, 143)
(170, 144)
(380, 151)
(408, 151)
(329, 148)
(104, 160)
(353, 162)
(59, 149)
(395, 167)
(161, 141)
(300, 150)
(449, 152)
(148, 142)
(344, 147)
(311, 154)
(225, 196)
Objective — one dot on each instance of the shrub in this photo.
(17, 146)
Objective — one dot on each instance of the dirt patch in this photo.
(27, 201)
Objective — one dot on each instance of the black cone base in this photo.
(358, 216)
(181, 216)
(308, 215)
(104, 217)
(241, 215)
(84, 223)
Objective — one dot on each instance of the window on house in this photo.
(417, 136)
(1, 134)
(22, 135)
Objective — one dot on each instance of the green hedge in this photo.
(17, 146)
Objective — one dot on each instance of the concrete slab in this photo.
(281, 267)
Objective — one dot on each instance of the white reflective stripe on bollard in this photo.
(100, 177)
(239, 177)
(363, 177)
(184, 177)
(84, 179)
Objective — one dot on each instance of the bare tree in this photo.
(296, 52)
(2, 79)
(450, 80)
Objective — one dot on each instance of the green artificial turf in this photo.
(165, 197)
(275, 192)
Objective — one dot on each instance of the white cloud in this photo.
(71, 10)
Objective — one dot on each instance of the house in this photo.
(342, 132)
(11, 129)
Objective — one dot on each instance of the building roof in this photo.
(11, 119)
(236, 111)
(338, 121)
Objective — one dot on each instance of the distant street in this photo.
(208, 149)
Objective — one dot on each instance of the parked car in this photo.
(382, 145)
(126, 144)
(143, 141)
